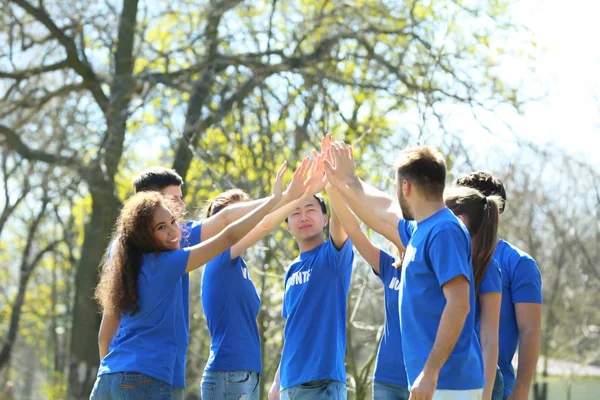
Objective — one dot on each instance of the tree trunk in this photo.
(83, 364)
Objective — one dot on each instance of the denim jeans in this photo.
(130, 385)
(498, 392)
(315, 390)
(236, 385)
(389, 391)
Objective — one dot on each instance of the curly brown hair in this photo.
(117, 289)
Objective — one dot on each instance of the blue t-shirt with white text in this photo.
(231, 306)
(438, 249)
(389, 367)
(314, 305)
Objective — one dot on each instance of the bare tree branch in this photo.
(13, 141)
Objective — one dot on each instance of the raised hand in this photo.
(326, 142)
(278, 185)
(317, 180)
(339, 163)
(297, 186)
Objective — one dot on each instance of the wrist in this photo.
(352, 180)
(431, 371)
(520, 392)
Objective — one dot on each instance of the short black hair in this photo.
(486, 183)
(322, 203)
(156, 179)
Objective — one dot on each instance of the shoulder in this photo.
(514, 255)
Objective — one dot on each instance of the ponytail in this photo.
(482, 216)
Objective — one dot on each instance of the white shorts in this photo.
(458, 394)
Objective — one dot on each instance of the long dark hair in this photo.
(482, 215)
(117, 290)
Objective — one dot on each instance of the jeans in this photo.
(315, 390)
(498, 392)
(389, 391)
(130, 386)
(236, 385)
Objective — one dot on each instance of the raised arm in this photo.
(375, 208)
(202, 253)
(215, 224)
(298, 189)
(351, 226)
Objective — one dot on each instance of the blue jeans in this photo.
(218, 385)
(498, 392)
(389, 391)
(130, 385)
(315, 390)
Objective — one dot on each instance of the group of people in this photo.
(458, 300)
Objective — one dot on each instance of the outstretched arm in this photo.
(202, 253)
(299, 189)
(351, 226)
(215, 224)
(375, 208)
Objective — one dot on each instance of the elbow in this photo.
(531, 329)
(232, 235)
(461, 307)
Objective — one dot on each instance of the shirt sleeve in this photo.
(449, 253)
(385, 265)
(341, 259)
(406, 229)
(191, 232)
(166, 268)
(492, 279)
(526, 284)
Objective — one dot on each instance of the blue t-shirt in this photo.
(149, 342)
(521, 283)
(314, 304)
(389, 367)
(190, 237)
(491, 283)
(231, 306)
(438, 249)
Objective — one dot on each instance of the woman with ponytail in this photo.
(480, 214)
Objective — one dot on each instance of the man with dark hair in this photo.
(316, 288)
(168, 182)
(521, 310)
(157, 179)
(437, 300)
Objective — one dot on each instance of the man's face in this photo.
(307, 220)
(402, 185)
(173, 192)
